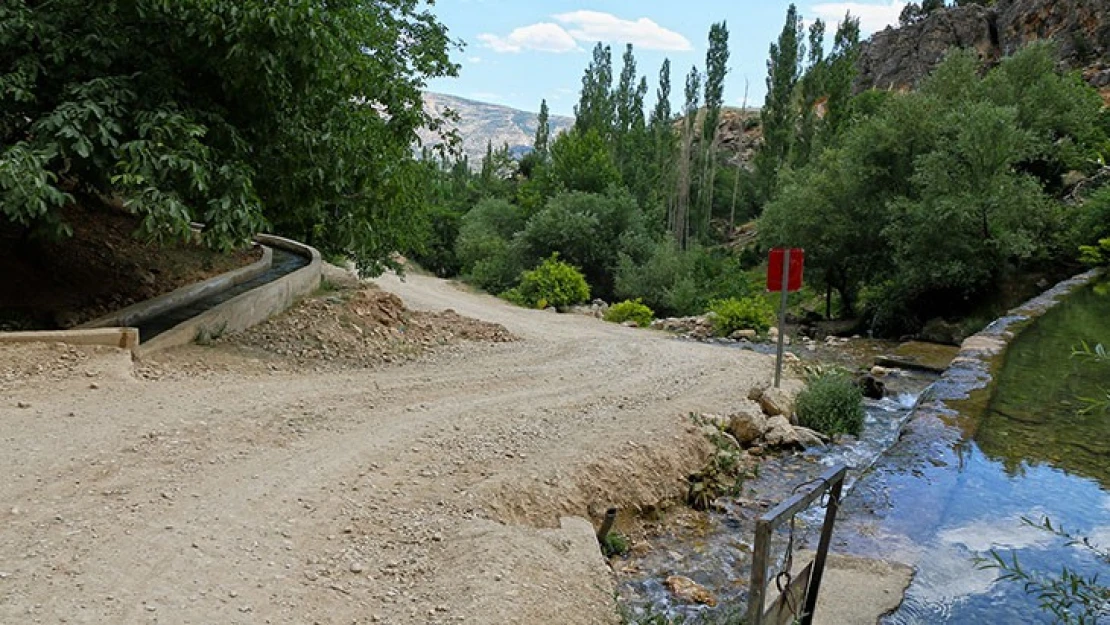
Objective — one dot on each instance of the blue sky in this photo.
(520, 51)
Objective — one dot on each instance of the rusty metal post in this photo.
(606, 525)
(822, 550)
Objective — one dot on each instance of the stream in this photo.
(938, 494)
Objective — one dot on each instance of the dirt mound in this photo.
(361, 327)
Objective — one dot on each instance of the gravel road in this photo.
(450, 489)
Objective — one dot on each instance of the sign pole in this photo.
(782, 314)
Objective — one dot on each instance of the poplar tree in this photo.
(595, 110)
(778, 115)
(543, 132)
(680, 224)
(716, 68)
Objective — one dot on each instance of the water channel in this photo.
(284, 263)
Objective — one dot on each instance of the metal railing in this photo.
(798, 596)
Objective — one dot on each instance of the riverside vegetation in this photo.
(911, 206)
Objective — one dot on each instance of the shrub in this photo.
(750, 313)
(630, 310)
(679, 282)
(1096, 254)
(831, 404)
(553, 283)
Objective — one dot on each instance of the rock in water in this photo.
(747, 426)
(872, 387)
(688, 591)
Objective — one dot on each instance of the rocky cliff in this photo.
(897, 58)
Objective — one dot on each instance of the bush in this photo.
(676, 282)
(630, 310)
(1096, 254)
(831, 404)
(553, 283)
(750, 313)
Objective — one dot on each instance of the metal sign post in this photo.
(790, 262)
(782, 314)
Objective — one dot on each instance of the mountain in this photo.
(898, 58)
(481, 122)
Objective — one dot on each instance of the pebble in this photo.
(356, 567)
(23, 404)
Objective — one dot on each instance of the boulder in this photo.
(808, 438)
(880, 372)
(747, 426)
(774, 401)
(872, 387)
(688, 591)
(780, 433)
(749, 335)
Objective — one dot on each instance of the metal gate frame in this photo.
(831, 482)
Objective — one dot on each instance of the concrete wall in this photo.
(136, 314)
(250, 308)
(123, 338)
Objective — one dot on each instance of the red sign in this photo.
(775, 269)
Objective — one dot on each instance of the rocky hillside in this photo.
(480, 123)
(897, 58)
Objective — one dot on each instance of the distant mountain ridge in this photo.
(481, 122)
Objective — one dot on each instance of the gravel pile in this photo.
(361, 327)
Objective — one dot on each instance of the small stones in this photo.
(23, 404)
(357, 567)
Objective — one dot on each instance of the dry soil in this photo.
(452, 488)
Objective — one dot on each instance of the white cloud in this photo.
(474, 60)
(541, 37)
(591, 26)
(586, 27)
(872, 17)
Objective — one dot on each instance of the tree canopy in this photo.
(235, 113)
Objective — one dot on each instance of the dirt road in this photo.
(425, 493)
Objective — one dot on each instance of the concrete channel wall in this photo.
(140, 312)
(250, 308)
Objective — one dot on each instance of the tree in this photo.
(661, 128)
(716, 68)
(581, 161)
(778, 114)
(232, 113)
(841, 75)
(596, 107)
(814, 86)
(680, 220)
(543, 132)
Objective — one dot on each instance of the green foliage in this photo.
(750, 313)
(929, 198)
(630, 310)
(614, 544)
(229, 112)
(832, 404)
(553, 283)
(588, 230)
(1070, 597)
(581, 161)
(778, 114)
(673, 282)
(1095, 254)
(486, 250)
(724, 475)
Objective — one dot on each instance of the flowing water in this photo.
(284, 263)
(715, 550)
(946, 490)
